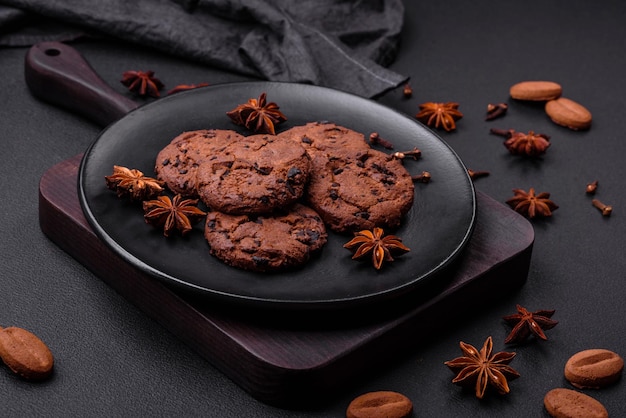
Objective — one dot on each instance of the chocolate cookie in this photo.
(325, 137)
(356, 190)
(265, 243)
(177, 163)
(254, 174)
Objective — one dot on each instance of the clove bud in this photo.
(496, 110)
(605, 209)
(401, 155)
(592, 187)
(425, 177)
(476, 174)
(376, 139)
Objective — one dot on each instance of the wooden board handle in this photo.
(58, 74)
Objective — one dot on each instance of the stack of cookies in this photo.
(271, 197)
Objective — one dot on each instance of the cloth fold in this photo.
(342, 44)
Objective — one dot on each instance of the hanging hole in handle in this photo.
(52, 52)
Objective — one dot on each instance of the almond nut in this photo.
(567, 403)
(536, 90)
(25, 354)
(568, 113)
(383, 404)
(593, 368)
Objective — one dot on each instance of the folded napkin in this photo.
(342, 44)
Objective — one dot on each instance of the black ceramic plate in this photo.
(436, 229)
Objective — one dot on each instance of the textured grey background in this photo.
(114, 361)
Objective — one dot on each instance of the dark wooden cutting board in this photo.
(304, 358)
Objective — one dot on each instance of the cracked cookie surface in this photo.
(177, 163)
(267, 242)
(355, 190)
(255, 174)
(324, 137)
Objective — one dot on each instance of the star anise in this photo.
(530, 144)
(480, 368)
(132, 183)
(176, 214)
(531, 205)
(144, 83)
(373, 241)
(439, 115)
(257, 115)
(525, 322)
(185, 87)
